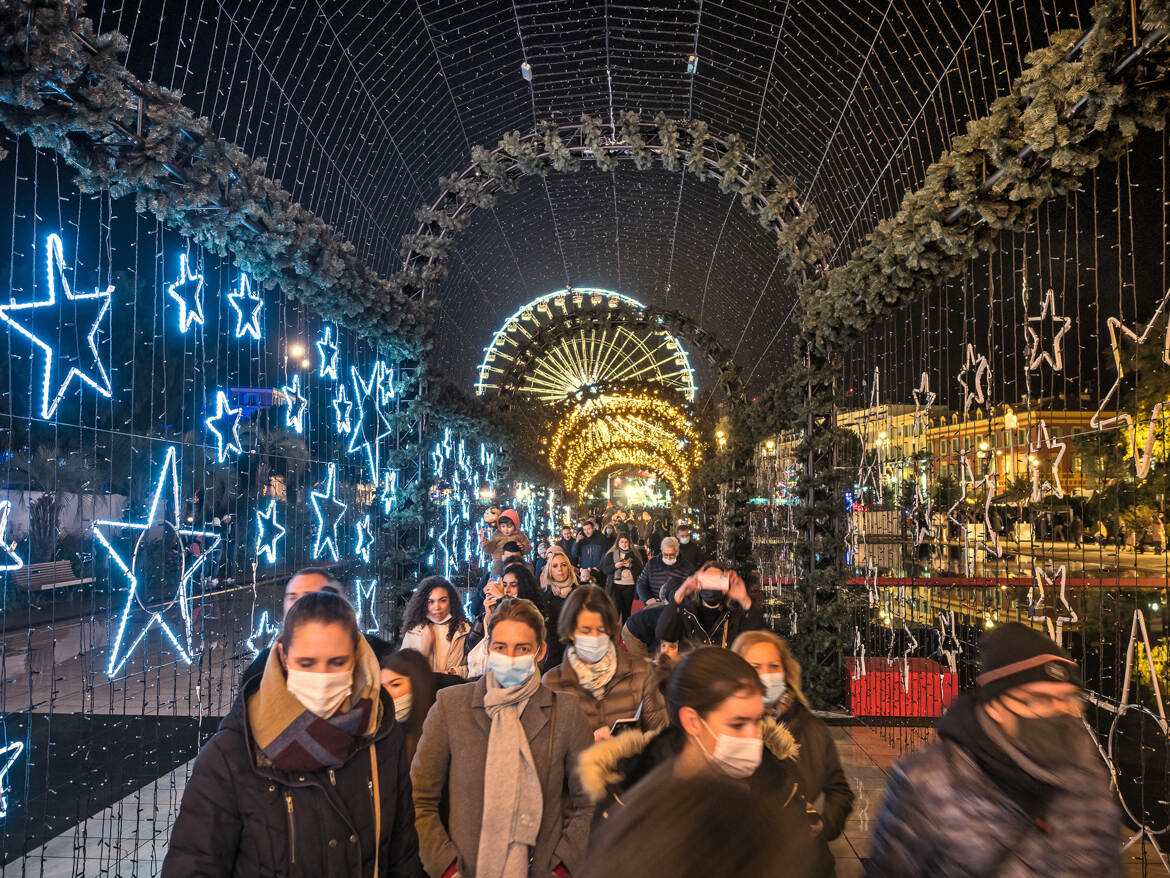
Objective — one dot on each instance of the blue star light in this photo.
(372, 424)
(8, 755)
(337, 511)
(225, 425)
(263, 637)
(389, 492)
(45, 317)
(365, 538)
(298, 407)
(367, 605)
(9, 560)
(248, 305)
(162, 516)
(341, 410)
(268, 536)
(188, 292)
(329, 353)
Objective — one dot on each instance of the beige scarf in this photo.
(593, 678)
(560, 589)
(513, 799)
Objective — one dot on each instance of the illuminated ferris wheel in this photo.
(577, 343)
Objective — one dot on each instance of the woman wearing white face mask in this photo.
(717, 725)
(822, 778)
(500, 754)
(308, 774)
(603, 675)
(408, 677)
(436, 627)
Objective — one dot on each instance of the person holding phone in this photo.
(608, 681)
(711, 608)
(621, 568)
(516, 581)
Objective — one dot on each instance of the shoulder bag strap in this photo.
(377, 809)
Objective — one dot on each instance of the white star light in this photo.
(372, 425)
(365, 538)
(245, 301)
(267, 536)
(341, 410)
(263, 637)
(389, 493)
(225, 425)
(190, 303)
(1041, 482)
(976, 388)
(1036, 352)
(870, 466)
(1142, 458)
(923, 399)
(322, 542)
(9, 560)
(367, 605)
(328, 352)
(297, 412)
(8, 755)
(920, 513)
(1055, 580)
(158, 518)
(96, 376)
(946, 628)
(968, 484)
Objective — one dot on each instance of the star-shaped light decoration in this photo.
(366, 605)
(859, 652)
(8, 756)
(248, 305)
(949, 644)
(297, 411)
(263, 636)
(161, 520)
(328, 352)
(372, 425)
(924, 398)
(1055, 582)
(9, 560)
(969, 485)
(871, 581)
(44, 318)
(188, 292)
(870, 466)
(1149, 356)
(389, 492)
(911, 645)
(225, 426)
(365, 538)
(269, 532)
(336, 511)
(1044, 457)
(1037, 352)
(920, 513)
(975, 379)
(342, 408)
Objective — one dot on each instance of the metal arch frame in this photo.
(672, 323)
(611, 303)
(629, 454)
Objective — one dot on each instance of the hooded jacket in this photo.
(611, 770)
(242, 817)
(962, 807)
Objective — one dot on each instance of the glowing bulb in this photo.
(297, 350)
(305, 363)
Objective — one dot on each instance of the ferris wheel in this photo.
(579, 342)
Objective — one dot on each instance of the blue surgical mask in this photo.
(775, 685)
(511, 672)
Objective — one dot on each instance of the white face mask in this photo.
(402, 705)
(591, 648)
(734, 757)
(669, 562)
(442, 621)
(684, 540)
(775, 685)
(320, 693)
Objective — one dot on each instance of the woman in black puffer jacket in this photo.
(307, 776)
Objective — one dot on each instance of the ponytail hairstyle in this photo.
(324, 607)
(706, 678)
(416, 610)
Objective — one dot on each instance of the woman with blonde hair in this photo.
(557, 580)
(822, 778)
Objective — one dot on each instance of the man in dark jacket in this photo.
(711, 608)
(588, 551)
(688, 550)
(566, 542)
(1014, 786)
(640, 633)
(662, 574)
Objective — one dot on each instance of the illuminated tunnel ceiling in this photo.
(359, 107)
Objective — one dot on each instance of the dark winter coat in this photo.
(609, 567)
(241, 817)
(944, 817)
(612, 770)
(622, 695)
(659, 581)
(642, 627)
(587, 553)
(691, 554)
(685, 621)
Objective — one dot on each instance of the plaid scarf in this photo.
(293, 738)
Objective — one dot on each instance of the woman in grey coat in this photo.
(494, 789)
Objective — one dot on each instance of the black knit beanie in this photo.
(1014, 654)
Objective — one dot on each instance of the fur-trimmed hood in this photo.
(618, 763)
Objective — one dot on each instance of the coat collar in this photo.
(534, 718)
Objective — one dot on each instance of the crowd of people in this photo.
(612, 704)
